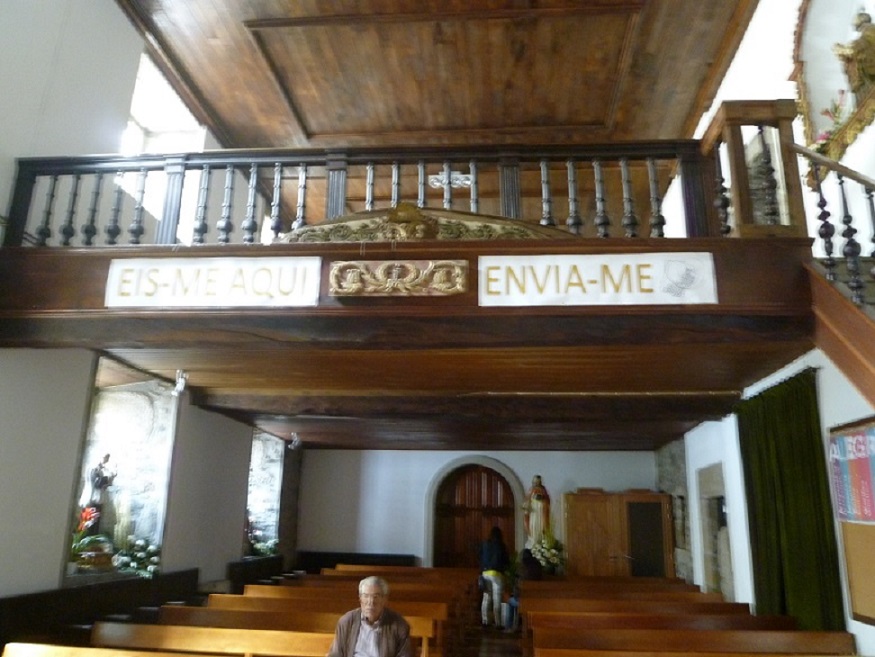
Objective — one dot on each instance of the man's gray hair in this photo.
(373, 580)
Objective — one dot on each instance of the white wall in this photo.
(44, 405)
(709, 444)
(839, 402)
(376, 501)
(67, 73)
(209, 482)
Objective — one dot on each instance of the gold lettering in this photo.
(125, 281)
(492, 278)
(183, 287)
(210, 282)
(258, 275)
(575, 279)
(608, 277)
(511, 274)
(238, 283)
(153, 279)
(540, 285)
(293, 275)
(644, 278)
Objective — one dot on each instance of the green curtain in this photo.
(793, 543)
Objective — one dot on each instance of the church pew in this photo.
(418, 591)
(681, 640)
(569, 652)
(649, 620)
(422, 629)
(19, 649)
(438, 612)
(571, 587)
(658, 620)
(639, 605)
(211, 639)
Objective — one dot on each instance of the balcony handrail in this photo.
(834, 166)
(266, 174)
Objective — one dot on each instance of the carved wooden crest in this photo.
(406, 223)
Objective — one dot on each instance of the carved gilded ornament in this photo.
(406, 223)
(408, 278)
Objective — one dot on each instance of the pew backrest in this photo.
(21, 649)
(211, 639)
(757, 641)
(422, 629)
(436, 610)
(625, 620)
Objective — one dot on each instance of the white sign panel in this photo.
(213, 282)
(583, 280)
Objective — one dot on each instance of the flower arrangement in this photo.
(140, 557)
(549, 551)
(87, 518)
(836, 114)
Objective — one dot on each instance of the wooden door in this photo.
(618, 534)
(649, 534)
(470, 502)
(593, 534)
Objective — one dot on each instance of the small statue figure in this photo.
(537, 512)
(858, 57)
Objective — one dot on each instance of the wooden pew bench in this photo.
(581, 585)
(560, 652)
(649, 620)
(681, 640)
(437, 612)
(422, 629)
(220, 640)
(18, 649)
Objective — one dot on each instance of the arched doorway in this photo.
(469, 501)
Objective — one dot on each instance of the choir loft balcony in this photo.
(526, 298)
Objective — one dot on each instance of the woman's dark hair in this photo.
(495, 534)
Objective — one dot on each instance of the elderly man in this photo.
(374, 630)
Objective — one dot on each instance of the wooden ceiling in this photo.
(273, 73)
(383, 73)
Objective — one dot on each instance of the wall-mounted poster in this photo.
(852, 470)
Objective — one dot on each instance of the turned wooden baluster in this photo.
(68, 229)
(420, 184)
(225, 226)
(657, 221)
(276, 220)
(826, 230)
(369, 187)
(249, 225)
(851, 248)
(770, 183)
(475, 190)
(44, 231)
(89, 230)
(300, 219)
(113, 230)
(201, 227)
(721, 197)
(630, 221)
(448, 186)
(602, 222)
(546, 198)
(574, 221)
(137, 229)
(396, 184)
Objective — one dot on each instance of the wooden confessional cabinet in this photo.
(618, 534)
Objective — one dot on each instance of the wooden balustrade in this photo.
(250, 196)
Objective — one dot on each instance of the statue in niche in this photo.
(102, 477)
(858, 57)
